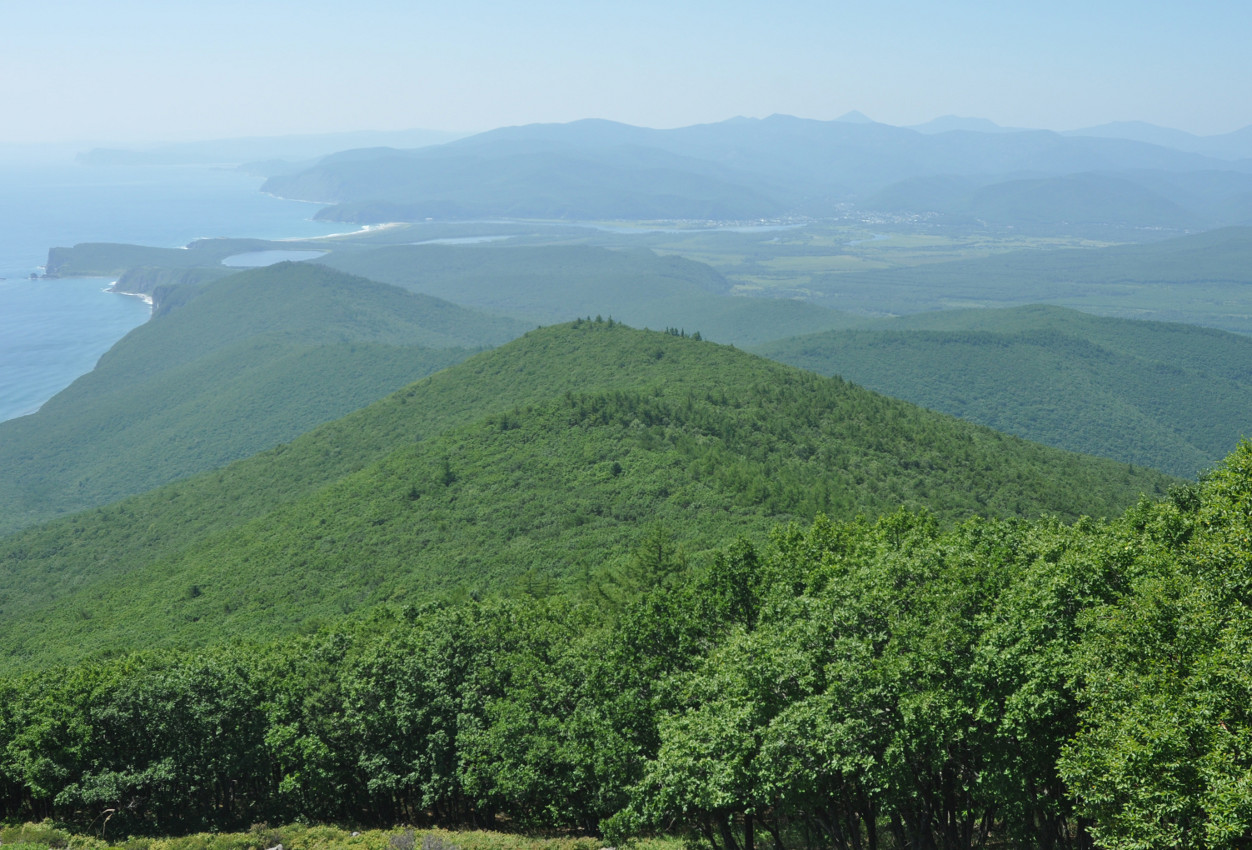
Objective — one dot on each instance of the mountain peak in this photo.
(856, 117)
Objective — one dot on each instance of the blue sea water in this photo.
(52, 331)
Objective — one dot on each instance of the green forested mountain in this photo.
(1170, 396)
(223, 370)
(543, 282)
(530, 464)
(559, 283)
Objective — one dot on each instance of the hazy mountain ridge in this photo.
(527, 181)
(1149, 200)
(1235, 145)
(743, 168)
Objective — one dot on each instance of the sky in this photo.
(142, 71)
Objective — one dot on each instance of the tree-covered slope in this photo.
(551, 452)
(1169, 396)
(893, 683)
(544, 282)
(560, 283)
(222, 371)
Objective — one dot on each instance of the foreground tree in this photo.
(1165, 753)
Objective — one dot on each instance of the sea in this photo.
(53, 331)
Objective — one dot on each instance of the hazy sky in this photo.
(172, 70)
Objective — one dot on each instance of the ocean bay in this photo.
(52, 331)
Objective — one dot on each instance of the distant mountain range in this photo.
(783, 166)
(1236, 145)
(964, 170)
(301, 147)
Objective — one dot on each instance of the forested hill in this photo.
(550, 284)
(1118, 388)
(223, 370)
(536, 464)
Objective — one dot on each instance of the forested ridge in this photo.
(225, 369)
(862, 683)
(555, 283)
(539, 463)
(1117, 388)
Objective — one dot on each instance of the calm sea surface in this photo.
(52, 331)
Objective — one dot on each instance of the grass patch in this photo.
(46, 836)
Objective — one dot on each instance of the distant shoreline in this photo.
(142, 296)
(368, 228)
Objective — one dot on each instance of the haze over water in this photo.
(52, 331)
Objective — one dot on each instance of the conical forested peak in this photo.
(543, 462)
